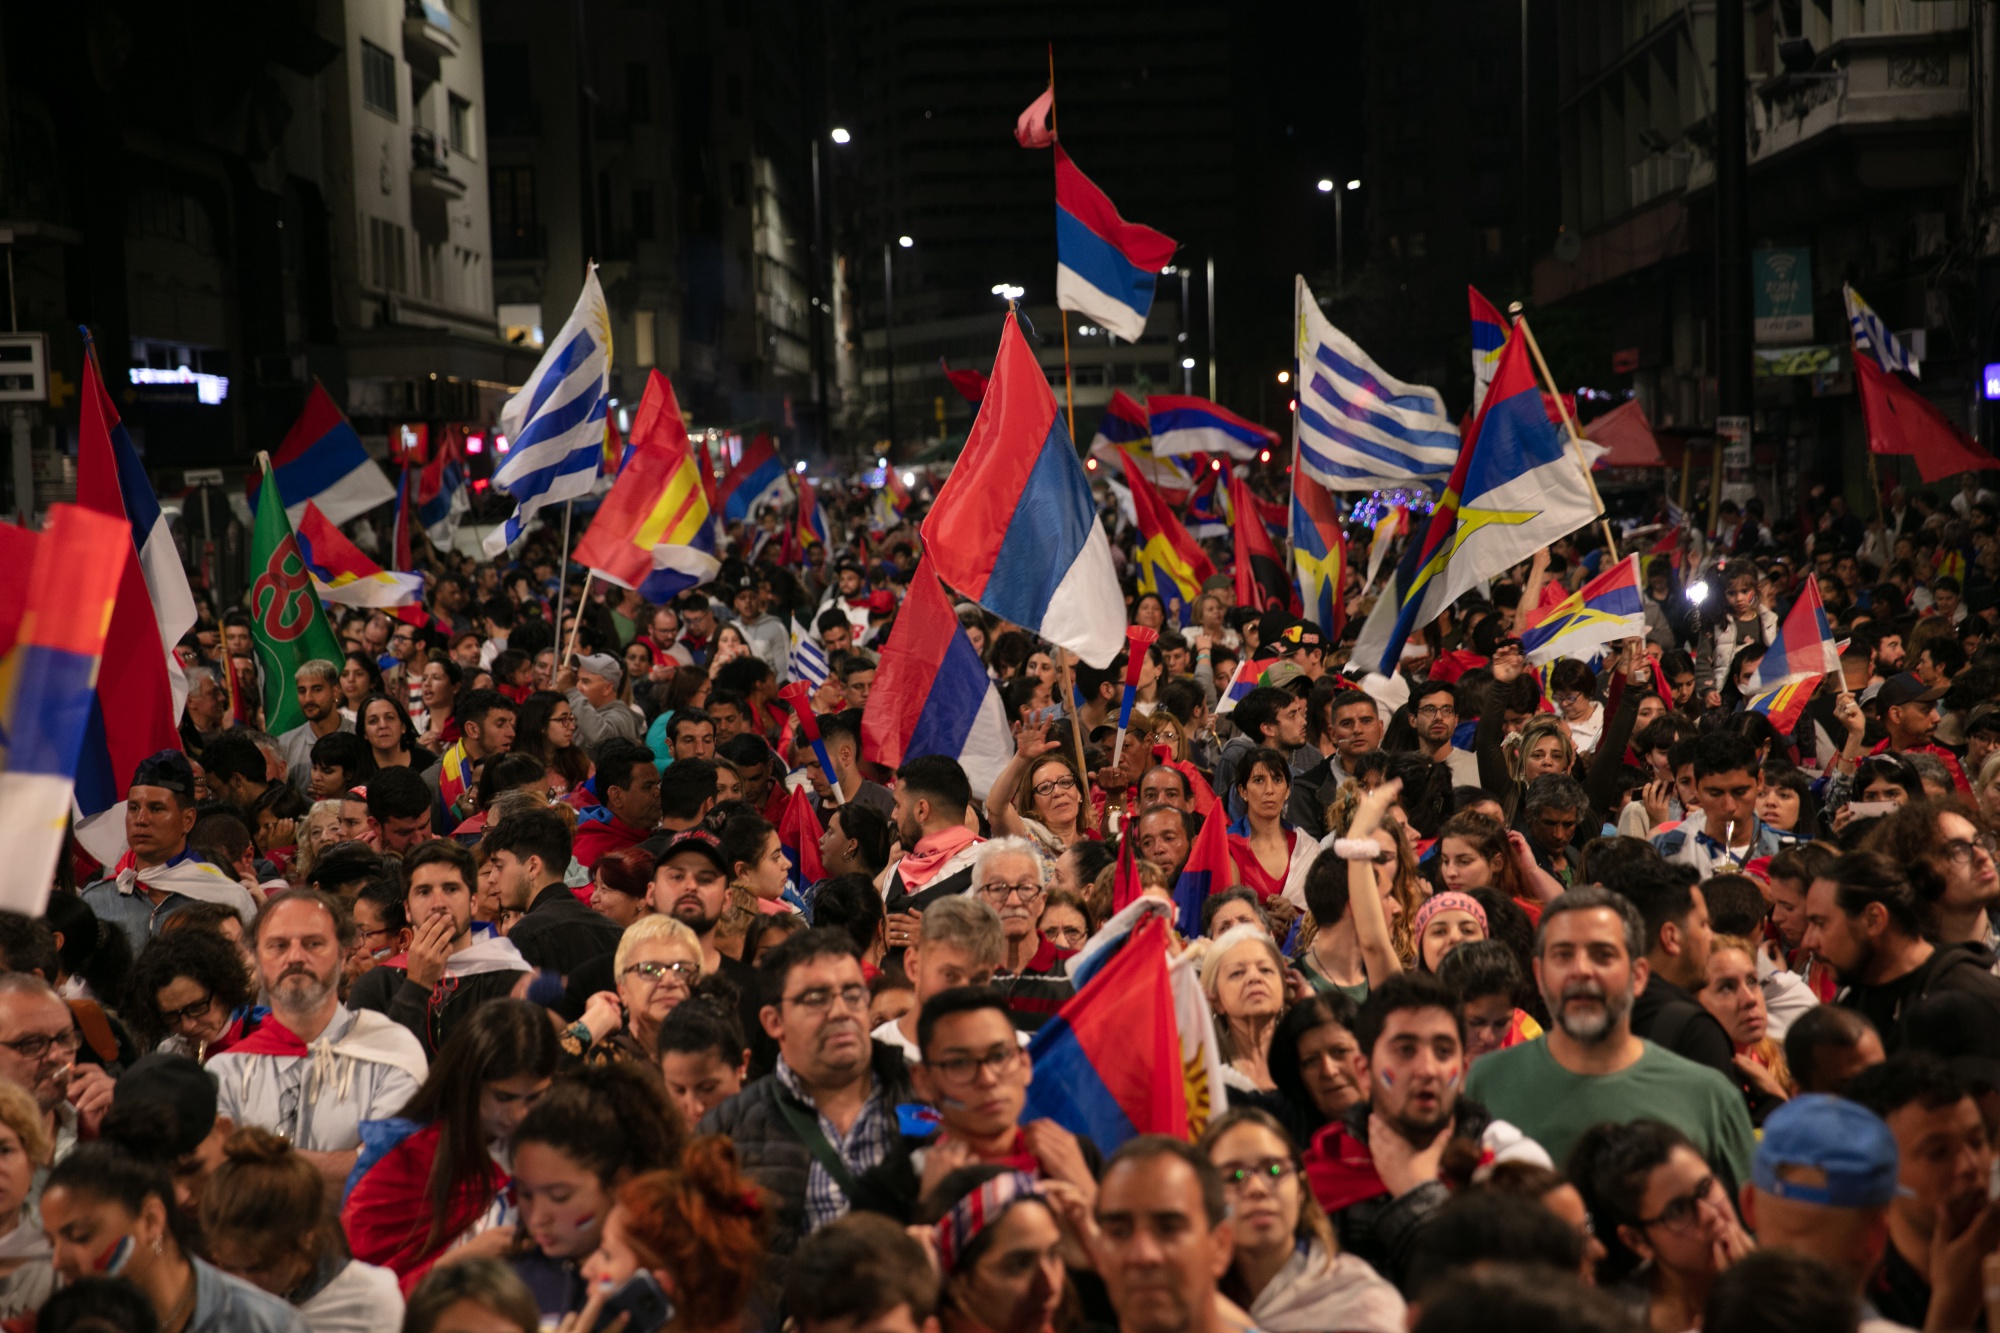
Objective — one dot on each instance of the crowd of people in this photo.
(500, 993)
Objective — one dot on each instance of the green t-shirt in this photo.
(1524, 1086)
(1326, 985)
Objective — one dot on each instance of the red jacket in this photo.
(598, 837)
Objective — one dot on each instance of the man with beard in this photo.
(453, 964)
(1434, 709)
(315, 1069)
(1590, 963)
(318, 686)
(1866, 920)
(1375, 1169)
(39, 1040)
(826, 1115)
(691, 885)
(932, 795)
(1945, 1163)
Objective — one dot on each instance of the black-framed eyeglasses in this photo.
(1000, 893)
(1961, 849)
(1437, 710)
(37, 1045)
(821, 998)
(1269, 1170)
(1054, 785)
(655, 973)
(1684, 1209)
(187, 1013)
(965, 1068)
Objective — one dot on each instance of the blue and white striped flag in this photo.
(1357, 428)
(808, 661)
(555, 424)
(1872, 336)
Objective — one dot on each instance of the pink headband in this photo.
(1451, 902)
(957, 1229)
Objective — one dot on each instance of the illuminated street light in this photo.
(1284, 377)
(1187, 363)
(840, 135)
(1354, 185)
(905, 242)
(1325, 186)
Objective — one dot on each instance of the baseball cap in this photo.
(1983, 717)
(1905, 688)
(168, 769)
(687, 840)
(602, 664)
(1844, 1141)
(176, 1084)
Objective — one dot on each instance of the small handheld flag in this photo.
(1138, 638)
(1209, 870)
(1784, 704)
(808, 659)
(1805, 644)
(798, 697)
(1607, 608)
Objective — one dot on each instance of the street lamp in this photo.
(839, 135)
(1339, 232)
(905, 242)
(1325, 185)
(1284, 377)
(889, 324)
(1007, 291)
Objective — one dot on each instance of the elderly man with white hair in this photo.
(1012, 876)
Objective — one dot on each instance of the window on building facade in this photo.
(378, 79)
(644, 353)
(388, 264)
(461, 126)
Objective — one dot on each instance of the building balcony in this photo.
(430, 166)
(427, 30)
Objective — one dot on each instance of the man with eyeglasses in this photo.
(1012, 876)
(39, 1041)
(975, 1073)
(314, 1070)
(1434, 708)
(1412, 1035)
(1955, 859)
(826, 1115)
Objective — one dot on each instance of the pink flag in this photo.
(1031, 130)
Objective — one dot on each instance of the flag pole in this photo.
(1062, 316)
(562, 573)
(1575, 440)
(581, 599)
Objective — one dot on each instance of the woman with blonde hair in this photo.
(319, 830)
(1542, 747)
(1243, 975)
(656, 965)
(26, 1274)
(1040, 795)
(1735, 997)
(1354, 815)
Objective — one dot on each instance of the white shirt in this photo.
(364, 1066)
(361, 1299)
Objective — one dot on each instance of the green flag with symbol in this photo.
(287, 622)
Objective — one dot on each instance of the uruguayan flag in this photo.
(1873, 337)
(808, 661)
(555, 425)
(1357, 428)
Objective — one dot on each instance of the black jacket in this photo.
(559, 934)
(1963, 968)
(1384, 1229)
(1669, 1017)
(772, 1155)
(430, 1014)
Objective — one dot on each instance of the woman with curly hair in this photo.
(188, 993)
(697, 1231)
(546, 729)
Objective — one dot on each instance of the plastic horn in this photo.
(1138, 639)
(799, 697)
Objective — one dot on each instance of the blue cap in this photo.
(1846, 1142)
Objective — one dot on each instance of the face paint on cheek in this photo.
(584, 1221)
(112, 1262)
(1452, 1081)
(1388, 1079)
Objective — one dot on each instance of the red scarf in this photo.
(1340, 1170)
(271, 1038)
(921, 863)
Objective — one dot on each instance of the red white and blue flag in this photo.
(1209, 870)
(342, 574)
(757, 479)
(1805, 645)
(1607, 608)
(323, 460)
(1489, 335)
(1015, 527)
(442, 498)
(1105, 266)
(1184, 425)
(932, 694)
(140, 688)
(810, 524)
(1124, 431)
(1208, 505)
(53, 616)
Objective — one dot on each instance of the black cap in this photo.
(663, 846)
(168, 769)
(178, 1084)
(1905, 688)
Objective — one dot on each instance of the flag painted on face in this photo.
(1489, 335)
(1183, 425)
(757, 479)
(931, 693)
(1515, 488)
(1609, 607)
(1172, 564)
(1260, 580)
(287, 624)
(342, 574)
(1805, 645)
(1015, 527)
(1108, 1065)
(140, 686)
(1358, 427)
(324, 461)
(54, 615)
(1105, 266)
(1209, 870)
(1319, 556)
(555, 425)
(653, 531)
(1784, 704)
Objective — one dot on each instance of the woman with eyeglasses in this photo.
(1666, 1222)
(546, 729)
(1039, 795)
(188, 993)
(1289, 1271)
(657, 963)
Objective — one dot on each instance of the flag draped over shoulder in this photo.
(653, 531)
(1358, 427)
(1015, 526)
(1516, 488)
(555, 425)
(286, 623)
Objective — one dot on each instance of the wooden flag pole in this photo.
(1575, 440)
(1062, 316)
(582, 600)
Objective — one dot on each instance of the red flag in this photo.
(971, 385)
(1125, 884)
(1260, 570)
(1902, 421)
(1031, 126)
(799, 832)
